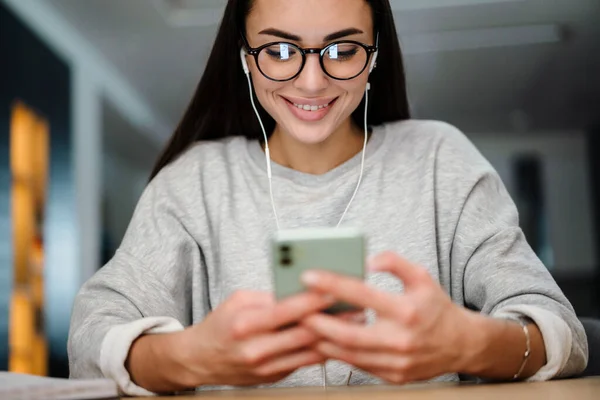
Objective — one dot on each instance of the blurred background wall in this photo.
(112, 78)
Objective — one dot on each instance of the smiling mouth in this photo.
(311, 107)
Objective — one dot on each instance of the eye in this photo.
(281, 52)
(342, 51)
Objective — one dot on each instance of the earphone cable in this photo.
(267, 152)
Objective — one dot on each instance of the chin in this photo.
(310, 135)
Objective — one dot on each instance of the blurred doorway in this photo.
(29, 137)
(36, 93)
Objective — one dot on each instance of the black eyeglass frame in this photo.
(254, 51)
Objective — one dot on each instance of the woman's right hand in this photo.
(249, 339)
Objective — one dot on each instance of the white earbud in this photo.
(374, 59)
(244, 63)
(373, 62)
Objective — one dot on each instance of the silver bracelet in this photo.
(523, 324)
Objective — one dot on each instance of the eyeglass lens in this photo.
(342, 60)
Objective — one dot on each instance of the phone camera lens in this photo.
(286, 258)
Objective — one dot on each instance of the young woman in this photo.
(453, 288)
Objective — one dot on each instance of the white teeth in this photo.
(307, 107)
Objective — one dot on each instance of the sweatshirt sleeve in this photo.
(501, 274)
(146, 288)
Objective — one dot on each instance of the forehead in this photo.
(310, 18)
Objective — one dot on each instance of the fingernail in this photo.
(309, 278)
(329, 298)
(359, 319)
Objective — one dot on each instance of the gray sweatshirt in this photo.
(201, 228)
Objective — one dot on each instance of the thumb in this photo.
(410, 274)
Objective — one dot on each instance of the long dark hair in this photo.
(221, 104)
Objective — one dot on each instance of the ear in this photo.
(243, 59)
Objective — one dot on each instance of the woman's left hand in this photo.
(417, 335)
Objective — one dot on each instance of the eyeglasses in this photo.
(283, 61)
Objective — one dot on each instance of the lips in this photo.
(309, 110)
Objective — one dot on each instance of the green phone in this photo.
(339, 250)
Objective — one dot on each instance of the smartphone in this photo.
(339, 250)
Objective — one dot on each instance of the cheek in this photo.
(265, 89)
(355, 92)
(261, 84)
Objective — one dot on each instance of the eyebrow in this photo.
(290, 36)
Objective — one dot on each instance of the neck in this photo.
(318, 158)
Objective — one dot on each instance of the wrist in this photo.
(182, 368)
(495, 348)
(471, 344)
(475, 345)
(155, 363)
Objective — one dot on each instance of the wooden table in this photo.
(580, 389)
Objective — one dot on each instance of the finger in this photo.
(249, 299)
(289, 363)
(282, 314)
(410, 274)
(386, 335)
(408, 375)
(365, 359)
(348, 289)
(411, 368)
(357, 317)
(344, 333)
(391, 376)
(264, 347)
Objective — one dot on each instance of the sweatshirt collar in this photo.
(257, 154)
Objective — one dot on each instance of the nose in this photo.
(312, 78)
